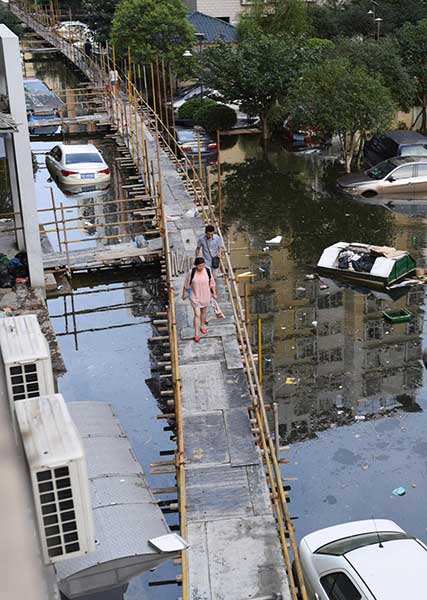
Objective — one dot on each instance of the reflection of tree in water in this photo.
(266, 202)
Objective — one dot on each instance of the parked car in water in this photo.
(78, 166)
(363, 560)
(399, 175)
(42, 105)
(394, 143)
(75, 32)
(188, 144)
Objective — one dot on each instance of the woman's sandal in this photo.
(203, 330)
(197, 338)
(219, 315)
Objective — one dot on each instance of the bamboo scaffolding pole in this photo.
(65, 236)
(260, 358)
(118, 201)
(165, 95)
(159, 92)
(82, 227)
(219, 201)
(111, 237)
(55, 222)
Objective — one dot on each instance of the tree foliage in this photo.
(335, 18)
(337, 98)
(100, 15)
(216, 117)
(189, 108)
(413, 47)
(284, 16)
(8, 18)
(152, 28)
(256, 73)
(381, 58)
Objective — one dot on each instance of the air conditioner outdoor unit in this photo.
(26, 358)
(57, 465)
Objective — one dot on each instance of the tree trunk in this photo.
(424, 115)
(265, 128)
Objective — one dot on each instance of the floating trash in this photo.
(399, 491)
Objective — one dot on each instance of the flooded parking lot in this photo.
(350, 386)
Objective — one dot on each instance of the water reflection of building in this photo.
(329, 354)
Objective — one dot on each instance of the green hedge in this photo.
(216, 116)
(189, 108)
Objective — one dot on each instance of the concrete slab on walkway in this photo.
(232, 352)
(217, 492)
(203, 387)
(240, 441)
(207, 441)
(234, 546)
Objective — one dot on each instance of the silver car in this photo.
(363, 560)
(400, 175)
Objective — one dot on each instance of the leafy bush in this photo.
(189, 108)
(216, 116)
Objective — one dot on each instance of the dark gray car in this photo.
(399, 175)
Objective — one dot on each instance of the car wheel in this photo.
(369, 194)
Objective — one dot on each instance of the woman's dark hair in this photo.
(199, 261)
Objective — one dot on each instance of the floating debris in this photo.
(399, 491)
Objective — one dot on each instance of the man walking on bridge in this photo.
(209, 245)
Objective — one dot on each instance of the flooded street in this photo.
(350, 386)
(103, 327)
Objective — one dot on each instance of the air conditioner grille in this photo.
(57, 507)
(24, 381)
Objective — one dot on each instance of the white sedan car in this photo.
(78, 165)
(364, 560)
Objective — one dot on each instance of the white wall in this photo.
(221, 8)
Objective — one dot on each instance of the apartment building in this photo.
(227, 10)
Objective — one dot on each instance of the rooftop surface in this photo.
(215, 30)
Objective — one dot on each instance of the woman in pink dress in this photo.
(199, 286)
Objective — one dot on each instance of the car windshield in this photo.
(414, 150)
(35, 86)
(339, 547)
(82, 157)
(381, 170)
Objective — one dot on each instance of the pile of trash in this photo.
(13, 270)
(354, 261)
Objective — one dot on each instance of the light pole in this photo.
(378, 21)
(200, 37)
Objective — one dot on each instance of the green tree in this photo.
(8, 18)
(216, 117)
(335, 18)
(189, 108)
(256, 73)
(381, 58)
(413, 47)
(284, 16)
(152, 28)
(337, 98)
(99, 17)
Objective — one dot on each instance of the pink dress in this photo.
(200, 288)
